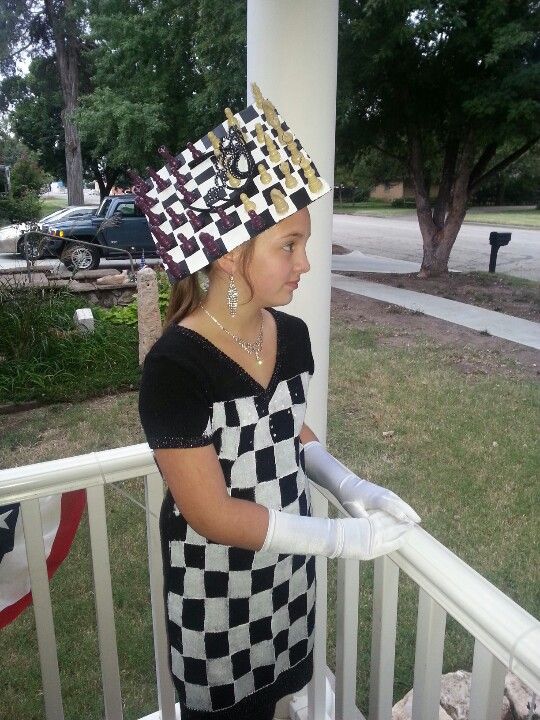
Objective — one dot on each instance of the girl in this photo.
(222, 403)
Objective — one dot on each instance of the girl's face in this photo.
(279, 259)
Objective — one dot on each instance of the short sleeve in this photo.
(173, 406)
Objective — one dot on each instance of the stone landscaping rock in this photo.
(93, 274)
(113, 280)
(455, 699)
(22, 280)
(402, 710)
(455, 692)
(149, 318)
(84, 320)
(519, 696)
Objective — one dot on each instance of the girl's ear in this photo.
(228, 263)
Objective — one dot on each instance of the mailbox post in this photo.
(497, 240)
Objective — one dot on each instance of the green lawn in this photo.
(475, 496)
(516, 217)
(50, 205)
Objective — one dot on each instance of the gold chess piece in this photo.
(260, 133)
(233, 182)
(279, 201)
(287, 137)
(248, 204)
(257, 95)
(273, 152)
(215, 142)
(296, 155)
(264, 175)
(290, 181)
(314, 183)
(231, 120)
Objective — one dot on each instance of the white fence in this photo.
(506, 636)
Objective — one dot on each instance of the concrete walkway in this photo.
(357, 261)
(498, 324)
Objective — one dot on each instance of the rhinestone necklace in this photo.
(252, 348)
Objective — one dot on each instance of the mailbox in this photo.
(497, 240)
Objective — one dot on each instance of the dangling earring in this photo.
(204, 282)
(232, 297)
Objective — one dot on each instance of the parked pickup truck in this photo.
(117, 225)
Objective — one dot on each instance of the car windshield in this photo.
(104, 207)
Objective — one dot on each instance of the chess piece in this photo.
(290, 181)
(187, 245)
(168, 157)
(287, 137)
(228, 222)
(215, 143)
(195, 220)
(248, 204)
(159, 182)
(260, 133)
(233, 182)
(195, 152)
(264, 175)
(314, 183)
(279, 201)
(188, 196)
(257, 95)
(295, 153)
(258, 222)
(273, 152)
(176, 219)
(231, 120)
(164, 241)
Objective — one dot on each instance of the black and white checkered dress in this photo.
(240, 623)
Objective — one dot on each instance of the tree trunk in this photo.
(64, 29)
(105, 180)
(439, 237)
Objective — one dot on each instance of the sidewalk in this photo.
(498, 324)
(357, 261)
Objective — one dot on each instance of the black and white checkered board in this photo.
(201, 178)
(237, 619)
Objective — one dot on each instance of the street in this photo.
(400, 239)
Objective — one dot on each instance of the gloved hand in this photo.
(355, 494)
(358, 538)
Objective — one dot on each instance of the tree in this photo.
(45, 27)
(36, 113)
(449, 89)
(160, 81)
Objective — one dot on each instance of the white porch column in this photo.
(292, 56)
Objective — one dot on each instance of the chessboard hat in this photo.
(241, 178)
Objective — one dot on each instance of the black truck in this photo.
(117, 225)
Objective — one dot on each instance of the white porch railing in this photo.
(506, 636)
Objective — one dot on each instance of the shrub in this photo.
(43, 357)
(27, 177)
(21, 209)
(127, 314)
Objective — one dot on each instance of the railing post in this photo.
(153, 487)
(108, 652)
(430, 631)
(487, 684)
(346, 638)
(41, 596)
(383, 643)
(317, 686)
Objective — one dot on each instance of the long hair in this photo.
(187, 294)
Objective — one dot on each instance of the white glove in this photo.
(358, 538)
(356, 495)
